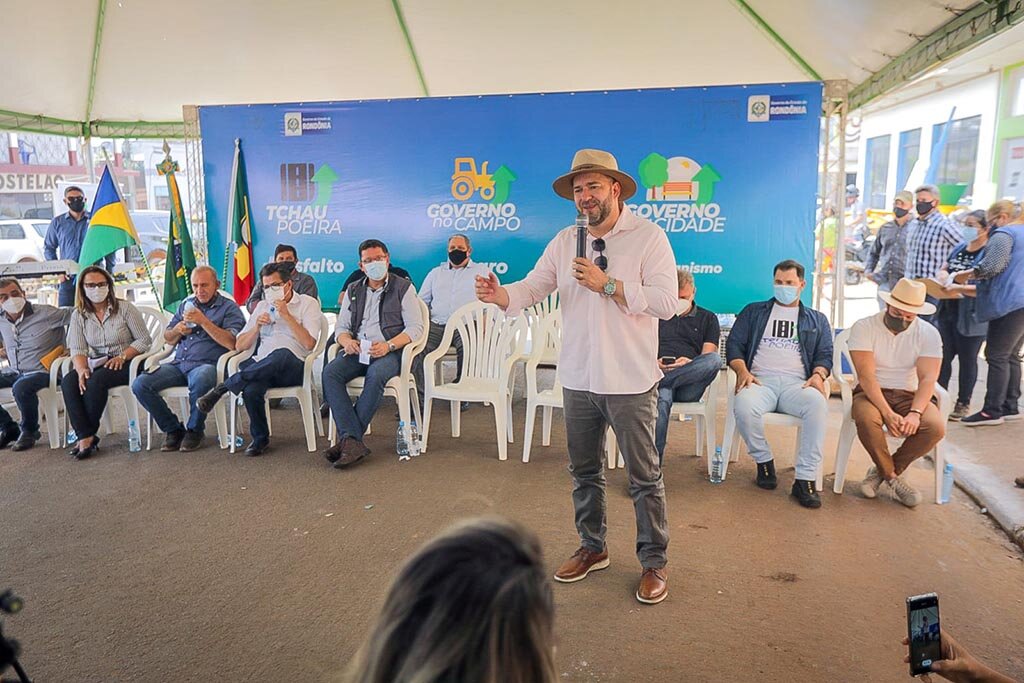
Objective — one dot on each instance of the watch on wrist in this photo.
(610, 287)
(391, 346)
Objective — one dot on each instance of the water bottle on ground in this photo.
(134, 438)
(401, 445)
(190, 305)
(72, 437)
(947, 483)
(717, 465)
(415, 442)
(239, 441)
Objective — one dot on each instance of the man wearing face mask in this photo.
(781, 352)
(447, 288)
(930, 239)
(33, 335)
(64, 240)
(381, 311)
(287, 325)
(897, 359)
(687, 354)
(301, 282)
(888, 256)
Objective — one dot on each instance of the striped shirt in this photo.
(929, 243)
(87, 336)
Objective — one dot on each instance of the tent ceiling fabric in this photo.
(156, 57)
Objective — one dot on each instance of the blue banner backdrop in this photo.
(729, 172)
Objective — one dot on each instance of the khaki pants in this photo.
(871, 432)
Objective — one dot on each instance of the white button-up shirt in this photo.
(447, 289)
(607, 348)
(303, 308)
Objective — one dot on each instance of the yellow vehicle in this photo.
(466, 180)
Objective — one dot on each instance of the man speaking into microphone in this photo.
(611, 300)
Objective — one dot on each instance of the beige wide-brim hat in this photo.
(594, 161)
(909, 296)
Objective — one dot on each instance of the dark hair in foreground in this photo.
(281, 248)
(472, 605)
(285, 269)
(790, 264)
(370, 244)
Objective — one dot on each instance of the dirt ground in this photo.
(213, 567)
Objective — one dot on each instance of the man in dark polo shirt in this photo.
(687, 354)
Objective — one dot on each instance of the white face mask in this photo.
(97, 295)
(683, 306)
(274, 294)
(13, 305)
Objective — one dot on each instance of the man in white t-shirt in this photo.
(897, 359)
(781, 352)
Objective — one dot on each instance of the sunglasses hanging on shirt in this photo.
(601, 261)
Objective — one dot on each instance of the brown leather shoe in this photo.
(333, 453)
(653, 586)
(582, 562)
(1019, 481)
(352, 451)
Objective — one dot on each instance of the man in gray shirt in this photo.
(30, 332)
(301, 282)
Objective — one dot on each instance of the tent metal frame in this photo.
(832, 176)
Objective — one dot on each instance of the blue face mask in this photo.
(786, 294)
(970, 234)
(376, 270)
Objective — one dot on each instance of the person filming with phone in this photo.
(615, 276)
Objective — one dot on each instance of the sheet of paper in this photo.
(364, 351)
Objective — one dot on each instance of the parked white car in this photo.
(22, 240)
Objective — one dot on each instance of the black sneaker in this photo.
(766, 478)
(208, 400)
(805, 494)
(9, 434)
(257, 447)
(192, 441)
(172, 440)
(981, 419)
(25, 442)
(1011, 415)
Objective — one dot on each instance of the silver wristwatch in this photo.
(391, 346)
(609, 287)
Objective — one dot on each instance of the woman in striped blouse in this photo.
(104, 335)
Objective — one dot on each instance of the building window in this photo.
(960, 156)
(876, 168)
(909, 153)
(1017, 92)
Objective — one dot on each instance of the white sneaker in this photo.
(872, 480)
(903, 492)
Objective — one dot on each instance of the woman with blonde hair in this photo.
(105, 333)
(472, 606)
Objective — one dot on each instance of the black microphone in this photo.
(582, 224)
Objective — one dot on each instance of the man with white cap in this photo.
(611, 300)
(897, 358)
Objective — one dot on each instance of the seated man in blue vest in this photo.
(687, 354)
(202, 330)
(383, 313)
(33, 335)
(287, 325)
(781, 352)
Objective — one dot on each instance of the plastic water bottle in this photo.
(72, 437)
(415, 442)
(272, 311)
(239, 441)
(401, 445)
(134, 438)
(717, 465)
(190, 305)
(947, 483)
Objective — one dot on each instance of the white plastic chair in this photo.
(491, 343)
(549, 339)
(50, 402)
(402, 387)
(312, 424)
(181, 393)
(848, 429)
(731, 445)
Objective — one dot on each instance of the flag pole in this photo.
(232, 208)
(120, 198)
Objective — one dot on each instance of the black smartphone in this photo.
(667, 360)
(923, 632)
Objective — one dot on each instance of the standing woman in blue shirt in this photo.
(64, 240)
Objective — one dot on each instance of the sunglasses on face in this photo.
(601, 261)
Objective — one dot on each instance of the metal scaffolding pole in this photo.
(832, 191)
(196, 183)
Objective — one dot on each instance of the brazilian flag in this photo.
(181, 257)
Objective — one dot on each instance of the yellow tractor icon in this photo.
(465, 180)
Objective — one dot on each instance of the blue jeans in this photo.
(683, 385)
(784, 395)
(353, 420)
(25, 388)
(147, 389)
(282, 368)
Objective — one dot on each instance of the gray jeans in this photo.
(632, 417)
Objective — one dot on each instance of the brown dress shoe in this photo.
(1019, 481)
(334, 452)
(653, 586)
(580, 564)
(352, 451)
